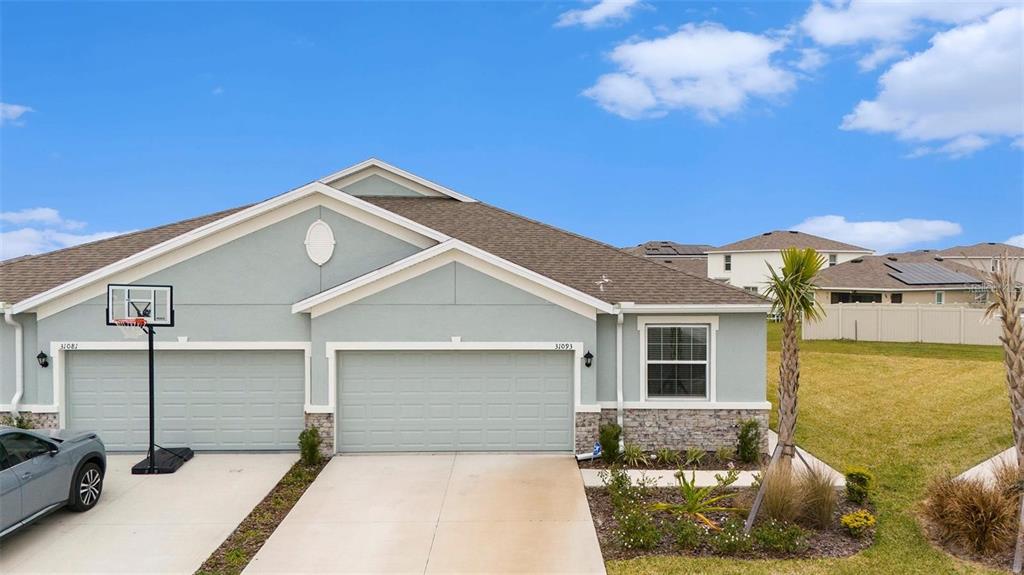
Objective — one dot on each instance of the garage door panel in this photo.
(455, 400)
(233, 400)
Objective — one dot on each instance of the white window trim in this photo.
(940, 295)
(679, 402)
(59, 348)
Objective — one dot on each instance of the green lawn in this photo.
(905, 411)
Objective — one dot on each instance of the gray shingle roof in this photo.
(565, 257)
(666, 248)
(877, 272)
(983, 250)
(783, 239)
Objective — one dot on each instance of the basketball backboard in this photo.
(154, 303)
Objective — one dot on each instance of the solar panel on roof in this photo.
(928, 274)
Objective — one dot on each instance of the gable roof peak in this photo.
(373, 162)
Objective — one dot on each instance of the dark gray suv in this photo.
(42, 472)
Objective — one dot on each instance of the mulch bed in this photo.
(832, 542)
(1002, 562)
(710, 461)
(241, 546)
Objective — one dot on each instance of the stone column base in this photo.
(37, 420)
(324, 423)
(679, 429)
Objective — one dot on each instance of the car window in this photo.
(3, 458)
(21, 447)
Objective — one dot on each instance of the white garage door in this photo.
(455, 401)
(231, 400)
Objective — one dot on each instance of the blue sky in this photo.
(624, 121)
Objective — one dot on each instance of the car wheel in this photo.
(86, 488)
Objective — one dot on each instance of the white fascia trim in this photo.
(193, 236)
(769, 251)
(59, 348)
(432, 258)
(375, 163)
(629, 307)
(576, 347)
(689, 405)
(896, 290)
(31, 407)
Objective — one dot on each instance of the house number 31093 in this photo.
(562, 346)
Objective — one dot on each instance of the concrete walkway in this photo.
(592, 477)
(438, 513)
(985, 470)
(148, 524)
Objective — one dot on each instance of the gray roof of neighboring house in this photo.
(783, 239)
(983, 250)
(670, 249)
(884, 272)
(568, 258)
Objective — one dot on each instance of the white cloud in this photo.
(882, 236)
(811, 59)
(961, 93)
(705, 68)
(1017, 240)
(51, 232)
(12, 113)
(601, 14)
(217, 91)
(879, 56)
(854, 21)
(47, 216)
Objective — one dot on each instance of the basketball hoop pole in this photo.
(152, 410)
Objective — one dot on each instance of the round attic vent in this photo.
(319, 242)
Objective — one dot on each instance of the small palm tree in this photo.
(792, 292)
(1006, 302)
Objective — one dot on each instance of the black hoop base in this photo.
(165, 460)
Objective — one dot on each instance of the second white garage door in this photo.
(212, 400)
(455, 401)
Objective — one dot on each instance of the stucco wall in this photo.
(751, 268)
(453, 300)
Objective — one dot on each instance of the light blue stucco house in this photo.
(392, 313)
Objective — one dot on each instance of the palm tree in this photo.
(792, 292)
(1006, 302)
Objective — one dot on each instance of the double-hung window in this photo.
(728, 263)
(677, 361)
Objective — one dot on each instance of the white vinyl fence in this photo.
(899, 322)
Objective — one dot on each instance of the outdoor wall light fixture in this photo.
(43, 359)
(588, 359)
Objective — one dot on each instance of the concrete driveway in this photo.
(450, 513)
(148, 524)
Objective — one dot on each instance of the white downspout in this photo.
(19, 358)
(619, 408)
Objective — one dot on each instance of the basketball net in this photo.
(131, 327)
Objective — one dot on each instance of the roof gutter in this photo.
(630, 307)
(19, 358)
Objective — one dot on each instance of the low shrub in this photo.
(309, 447)
(819, 497)
(634, 456)
(608, 436)
(666, 456)
(637, 529)
(972, 514)
(693, 457)
(748, 444)
(623, 491)
(699, 502)
(725, 454)
(858, 523)
(731, 539)
(21, 421)
(859, 484)
(779, 537)
(688, 535)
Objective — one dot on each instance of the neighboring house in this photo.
(744, 264)
(921, 277)
(689, 258)
(435, 323)
(982, 256)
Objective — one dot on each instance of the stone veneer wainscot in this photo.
(324, 423)
(651, 429)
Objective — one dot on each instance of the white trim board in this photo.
(446, 252)
(332, 348)
(373, 166)
(59, 348)
(633, 308)
(219, 232)
(705, 405)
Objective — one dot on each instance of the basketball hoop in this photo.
(131, 327)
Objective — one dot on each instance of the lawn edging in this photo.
(235, 553)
